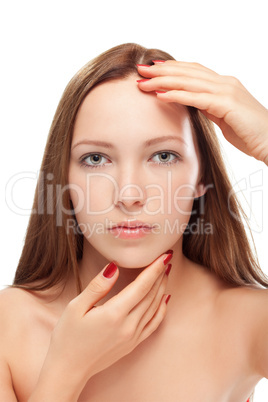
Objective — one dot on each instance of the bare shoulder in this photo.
(250, 302)
(17, 309)
(247, 309)
(21, 310)
(249, 290)
(13, 303)
(15, 300)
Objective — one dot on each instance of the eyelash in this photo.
(177, 158)
(174, 161)
(84, 164)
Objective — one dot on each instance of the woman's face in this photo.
(134, 171)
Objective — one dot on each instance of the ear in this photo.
(200, 190)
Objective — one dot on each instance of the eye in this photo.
(94, 160)
(165, 157)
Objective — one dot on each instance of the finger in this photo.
(132, 294)
(149, 301)
(156, 320)
(214, 105)
(149, 305)
(167, 83)
(145, 310)
(188, 65)
(96, 289)
(177, 68)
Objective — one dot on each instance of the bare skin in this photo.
(210, 342)
(205, 318)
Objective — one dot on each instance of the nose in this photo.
(130, 196)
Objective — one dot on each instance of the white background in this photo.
(44, 44)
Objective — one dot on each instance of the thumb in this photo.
(98, 287)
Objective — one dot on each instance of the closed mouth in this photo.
(131, 226)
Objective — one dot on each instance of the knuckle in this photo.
(195, 64)
(159, 317)
(156, 303)
(112, 317)
(160, 267)
(157, 323)
(232, 81)
(163, 286)
(71, 306)
(229, 90)
(150, 298)
(145, 286)
(127, 334)
(153, 326)
(232, 93)
(96, 287)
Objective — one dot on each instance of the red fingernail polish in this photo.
(167, 259)
(147, 79)
(169, 252)
(168, 269)
(158, 61)
(143, 65)
(167, 298)
(110, 270)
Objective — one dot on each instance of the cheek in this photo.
(92, 194)
(174, 194)
(182, 199)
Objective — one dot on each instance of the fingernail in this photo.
(169, 252)
(167, 298)
(110, 270)
(147, 79)
(168, 269)
(167, 259)
(158, 61)
(143, 65)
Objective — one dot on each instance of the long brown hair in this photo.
(51, 252)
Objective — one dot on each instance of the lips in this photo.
(132, 225)
(130, 230)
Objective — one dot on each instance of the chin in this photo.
(136, 261)
(131, 255)
(130, 265)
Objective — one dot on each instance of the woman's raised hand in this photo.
(88, 339)
(223, 99)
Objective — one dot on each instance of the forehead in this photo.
(119, 108)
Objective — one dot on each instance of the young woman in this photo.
(132, 180)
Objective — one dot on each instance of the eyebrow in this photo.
(95, 142)
(147, 143)
(163, 139)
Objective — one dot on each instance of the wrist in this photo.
(57, 385)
